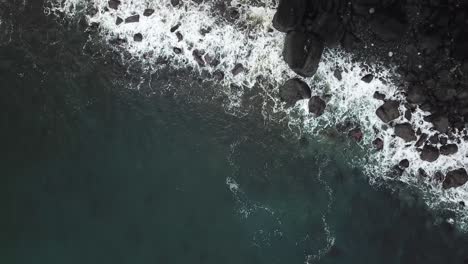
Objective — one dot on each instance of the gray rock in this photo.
(294, 90)
(430, 153)
(405, 131)
(317, 105)
(388, 111)
(449, 149)
(132, 19)
(455, 178)
(302, 52)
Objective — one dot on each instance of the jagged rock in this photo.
(378, 143)
(316, 105)
(294, 90)
(148, 12)
(455, 178)
(289, 15)
(408, 114)
(429, 153)
(138, 37)
(198, 56)
(404, 163)
(405, 131)
(132, 19)
(218, 75)
(421, 140)
(367, 78)
(175, 27)
(443, 140)
(114, 4)
(118, 21)
(449, 149)
(388, 111)
(434, 139)
(238, 68)
(356, 134)
(302, 52)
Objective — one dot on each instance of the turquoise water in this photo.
(92, 172)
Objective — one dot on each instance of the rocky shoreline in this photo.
(427, 41)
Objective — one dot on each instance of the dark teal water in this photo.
(92, 172)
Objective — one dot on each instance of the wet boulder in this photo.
(113, 4)
(449, 149)
(148, 12)
(356, 134)
(404, 163)
(302, 52)
(388, 111)
(289, 15)
(430, 153)
(132, 19)
(294, 90)
(327, 26)
(405, 131)
(316, 105)
(455, 178)
(421, 140)
(367, 78)
(238, 68)
(198, 56)
(175, 2)
(138, 37)
(378, 143)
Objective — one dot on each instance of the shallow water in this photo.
(95, 172)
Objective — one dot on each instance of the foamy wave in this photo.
(250, 43)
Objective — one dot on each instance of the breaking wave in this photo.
(174, 33)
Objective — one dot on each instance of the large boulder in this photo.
(317, 105)
(405, 131)
(294, 90)
(302, 52)
(455, 178)
(327, 26)
(430, 153)
(289, 15)
(388, 111)
(449, 149)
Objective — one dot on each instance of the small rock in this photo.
(422, 173)
(404, 163)
(289, 15)
(294, 90)
(238, 68)
(405, 131)
(408, 114)
(337, 74)
(179, 36)
(449, 149)
(132, 19)
(148, 12)
(138, 37)
(421, 140)
(388, 111)
(114, 4)
(443, 140)
(356, 134)
(367, 78)
(455, 178)
(118, 21)
(198, 56)
(379, 96)
(174, 28)
(218, 75)
(175, 2)
(429, 153)
(177, 50)
(434, 139)
(378, 143)
(317, 105)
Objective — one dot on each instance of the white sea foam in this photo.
(250, 42)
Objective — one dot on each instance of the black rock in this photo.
(294, 90)
(218, 75)
(449, 149)
(114, 4)
(327, 26)
(177, 50)
(379, 96)
(367, 78)
(337, 74)
(148, 12)
(378, 143)
(289, 15)
(238, 68)
(138, 37)
(118, 21)
(434, 139)
(405, 131)
(174, 28)
(429, 153)
(443, 140)
(179, 36)
(198, 56)
(408, 114)
(175, 2)
(455, 178)
(132, 19)
(404, 163)
(388, 28)
(302, 52)
(422, 173)
(388, 111)
(317, 105)
(421, 140)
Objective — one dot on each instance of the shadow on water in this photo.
(93, 172)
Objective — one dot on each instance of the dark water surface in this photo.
(92, 172)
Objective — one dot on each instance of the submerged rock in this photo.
(455, 178)
(356, 134)
(404, 163)
(302, 52)
(238, 68)
(388, 111)
(430, 153)
(405, 131)
(294, 90)
(118, 21)
(378, 143)
(317, 105)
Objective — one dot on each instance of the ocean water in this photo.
(107, 161)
